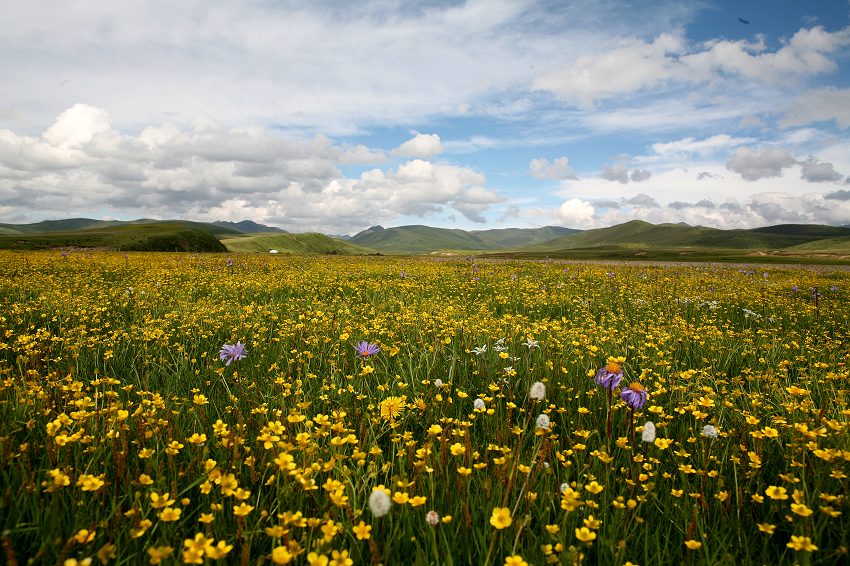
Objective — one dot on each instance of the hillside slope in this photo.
(166, 236)
(292, 244)
(418, 239)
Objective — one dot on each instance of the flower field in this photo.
(168, 409)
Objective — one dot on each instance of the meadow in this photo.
(175, 408)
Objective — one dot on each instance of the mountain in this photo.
(71, 224)
(425, 239)
(145, 236)
(638, 233)
(248, 227)
(291, 244)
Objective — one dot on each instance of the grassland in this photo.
(292, 244)
(166, 236)
(462, 393)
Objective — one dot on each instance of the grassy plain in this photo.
(125, 439)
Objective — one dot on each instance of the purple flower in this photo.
(634, 395)
(232, 352)
(230, 262)
(610, 375)
(366, 349)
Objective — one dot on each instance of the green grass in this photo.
(124, 237)
(110, 373)
(412, 240)
(292, 244)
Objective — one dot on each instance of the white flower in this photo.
(479, 350)
(537, 391)
(709, 431)
(438, 382)
(432, 518)
(379, 503)
(648, 434)
(529, 343)
(564, 487)
(543, 421)
(479, 404)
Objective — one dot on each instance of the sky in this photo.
(334, 116)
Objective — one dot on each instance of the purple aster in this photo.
(634, 395)
(232, 352)
(609, 376)
(366, 349)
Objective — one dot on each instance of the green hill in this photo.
(73, 224)
(292, 244)
(165, 236)
(425, 239)
(639, 234)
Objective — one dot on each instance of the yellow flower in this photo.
(515, 560)
(362, 531)
(464, 471)
(314, 559)
(170, 514)
(693, 544)
(801, 509)
(501, 518)
(89, 483)
(159, 553)
(340, 558)
(198, 438)
(84, 536)
(775, 492)
(585, 535)
(206, 518)
(435, 430)
(799, 543)
(242, 509)
(457, 449)
(593, 487)
(281, 555)
(418, 501)
(218, 551)
(592, 523)
(159, 501)
(663, 443)
(766, 528)
(392, 407)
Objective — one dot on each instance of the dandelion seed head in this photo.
(379, 503)
(537, 391)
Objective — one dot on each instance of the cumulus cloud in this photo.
(642, 200)
(560, 168)
(636, 65)
(753, 164)
(622, 172)
(819, 172)
(576, 213)
(840, 194)
(205, 171)
(422, 146)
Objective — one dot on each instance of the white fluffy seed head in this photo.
(432, 518)
(438, 383)
(537, 391)
(709, 431)
(479, 404)
(648, 434)
(543, 421)
(379, 503)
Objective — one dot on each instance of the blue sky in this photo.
(332, 116)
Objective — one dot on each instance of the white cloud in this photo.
(636, 65)
(206, 171)
(819, 105)
(560, 168)
(817, 172)
(576, 213)
(755, 164)
(422, 146)
(702, 148)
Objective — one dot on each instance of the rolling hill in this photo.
(292, 244)
(425, 239)
(164, 236)
(638, 234)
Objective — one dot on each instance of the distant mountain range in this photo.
(425, 239)
(631, 240)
